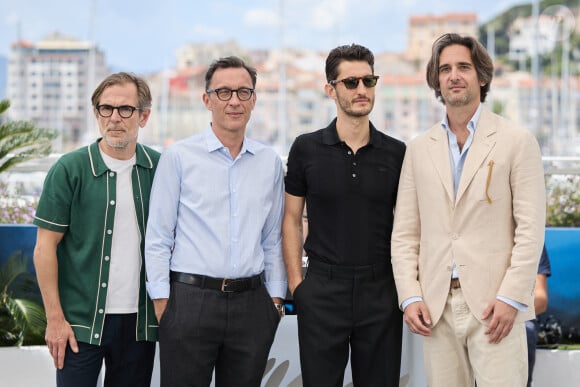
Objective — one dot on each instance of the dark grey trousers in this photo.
(205, 329)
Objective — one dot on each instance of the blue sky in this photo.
(142, 36)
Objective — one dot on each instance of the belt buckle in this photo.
(225, 283)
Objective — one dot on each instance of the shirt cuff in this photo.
(277, 288)
(409, 301)
(158, 290)
(518, 305)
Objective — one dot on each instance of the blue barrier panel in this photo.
(17, 238)
(563, 246)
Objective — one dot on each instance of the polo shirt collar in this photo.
(98, 166)
(330, 135)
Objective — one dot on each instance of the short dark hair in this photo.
(229, 62)
(352, 52)
(143, 92)
(481, 60)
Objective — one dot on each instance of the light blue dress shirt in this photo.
(213, 215)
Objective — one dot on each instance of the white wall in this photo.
(32, 366)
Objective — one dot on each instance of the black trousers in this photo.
(127, 362)
(340, 308)
(205, 329)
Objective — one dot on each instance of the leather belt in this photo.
(226, 285)
(455, 284)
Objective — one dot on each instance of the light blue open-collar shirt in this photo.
(213, 215)
(457, 156)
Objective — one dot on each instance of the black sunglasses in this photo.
(352, 82)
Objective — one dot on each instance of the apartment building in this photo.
(424, 29)
(50, 83)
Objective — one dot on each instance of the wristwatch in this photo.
(281, 309)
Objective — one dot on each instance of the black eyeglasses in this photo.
(125, 111)
(224, 94)
(352, 82)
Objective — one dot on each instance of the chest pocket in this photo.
(491, 182)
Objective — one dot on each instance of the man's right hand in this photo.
(292, 285)
(159, 304)
(418, 319)
(58, 334)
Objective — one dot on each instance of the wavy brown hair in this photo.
(481, 60)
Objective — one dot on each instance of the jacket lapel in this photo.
(483, 143)
(439, 152)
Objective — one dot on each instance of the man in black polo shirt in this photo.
(347, 175)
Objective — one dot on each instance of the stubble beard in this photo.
(119, 143)
(347, 108)
(457, 101)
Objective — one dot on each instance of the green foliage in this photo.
(22, 140)
(549, 63)
(22, 317)
(563, 201)
(497, 107)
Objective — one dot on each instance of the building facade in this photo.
(50, 83)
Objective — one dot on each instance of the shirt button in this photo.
(96, 335)
(349, 153)
(112, 174)
(354, 175)
(109, 232)
(101, 311)
(104, 284)
(354, 163)
(107, 258)
(112, 202)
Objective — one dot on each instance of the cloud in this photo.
(328, 14)
(201, 31)
(261, 17)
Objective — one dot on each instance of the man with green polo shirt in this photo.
(89, 260)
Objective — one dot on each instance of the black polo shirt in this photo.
(350, 198)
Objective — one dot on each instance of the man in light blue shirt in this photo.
(213, 251)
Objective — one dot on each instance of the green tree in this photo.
(22, 140)
(22, 317)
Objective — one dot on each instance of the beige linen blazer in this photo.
(493, 228)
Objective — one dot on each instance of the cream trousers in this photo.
(458, 351)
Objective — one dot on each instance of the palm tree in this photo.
(22, 140)
(22, 317)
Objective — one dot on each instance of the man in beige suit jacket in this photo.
(469, 229)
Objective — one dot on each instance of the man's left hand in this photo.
(502, 320)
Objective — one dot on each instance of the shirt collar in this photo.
(214, 144)
(98, 166)
(330, 135)
(471, 125)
